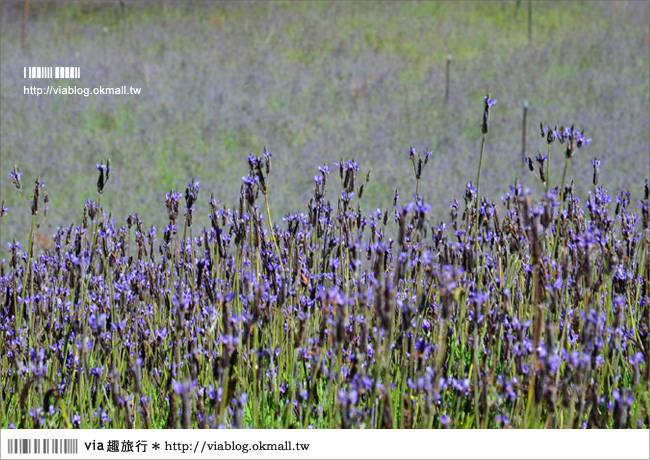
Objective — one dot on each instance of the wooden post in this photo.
(523, 138)
(530, 21)
(447, 78)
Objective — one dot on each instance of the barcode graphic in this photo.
(42, 446)
(51, 72)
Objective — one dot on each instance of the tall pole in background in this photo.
(530, 21)
(447, 78)
(523, 137)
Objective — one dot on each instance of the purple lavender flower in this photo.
(596, 164)
(104, 174)
(486, 113)
(16, 176)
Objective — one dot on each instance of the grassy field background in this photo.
(315, 82)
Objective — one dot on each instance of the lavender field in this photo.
(384, 258)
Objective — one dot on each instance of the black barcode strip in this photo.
(42, 446)
(51, 72)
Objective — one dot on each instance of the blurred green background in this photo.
(315, 82)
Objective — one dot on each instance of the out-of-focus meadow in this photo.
(314, 82)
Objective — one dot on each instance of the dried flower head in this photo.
(171, 200)
(38, 185)
(16, 175)
(596, 164)
(486, 113)
(104, 174)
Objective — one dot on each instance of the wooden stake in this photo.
(447, 78)
(523, 138)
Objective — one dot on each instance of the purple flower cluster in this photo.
(522, 313)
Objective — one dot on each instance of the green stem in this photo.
(478, 176)
(478, 201)
(92, 252)
(268, 213)
(182, 260)
(559, 215)
(27, 264)
(476, 370)
(548, 161)
(85, 288)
